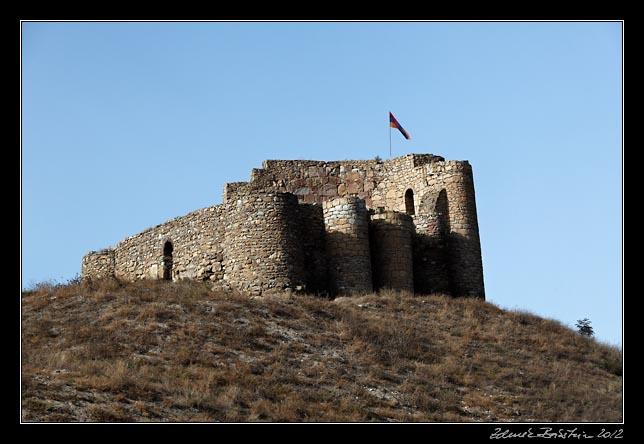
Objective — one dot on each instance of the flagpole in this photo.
(390, 141)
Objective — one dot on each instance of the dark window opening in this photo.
(409, 202)
(442, 210)
(167, 261)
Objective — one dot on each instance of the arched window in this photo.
(409, 202)
(167, 261)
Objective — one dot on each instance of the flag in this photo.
(394, 124)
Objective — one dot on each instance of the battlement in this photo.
(337, 227)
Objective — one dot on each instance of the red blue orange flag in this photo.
(394, 124)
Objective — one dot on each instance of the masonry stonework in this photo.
(351, 226)
(195, 241)
(347, 245)
(98, 264)
(431, 273)
(262, 243)
(391, 249)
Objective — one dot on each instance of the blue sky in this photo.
(126, 125)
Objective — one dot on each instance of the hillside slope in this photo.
(159, 351)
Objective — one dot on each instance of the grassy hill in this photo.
(160, 351)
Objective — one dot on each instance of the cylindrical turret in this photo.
(98, 264)
(262, 245)
(347, 245)
(391, 250)
(464, 247)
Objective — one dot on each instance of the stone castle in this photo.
(341, 227)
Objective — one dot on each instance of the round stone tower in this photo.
(391, 250)
(262, 243)
(98, 264)
(464, 246)
(347, 245)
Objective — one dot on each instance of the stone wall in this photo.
(391, 250)
(233, 189)
(378, 183)
(431, 271)
(313, 244)
(318, 181)
(98, 264)
(347, 245)
(197, 248)
(263, 251)
(402, 174)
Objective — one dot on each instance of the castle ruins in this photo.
(340, 227)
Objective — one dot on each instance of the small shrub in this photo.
(584, 328)
(77, 279)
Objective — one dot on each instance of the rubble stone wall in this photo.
(197, 248)
(262, 250)
(98, 264)
(391, 250)
(347, 245)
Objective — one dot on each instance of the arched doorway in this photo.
(409, 202)
(167, 261)
(432, 244)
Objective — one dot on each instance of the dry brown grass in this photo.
(159, 351)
